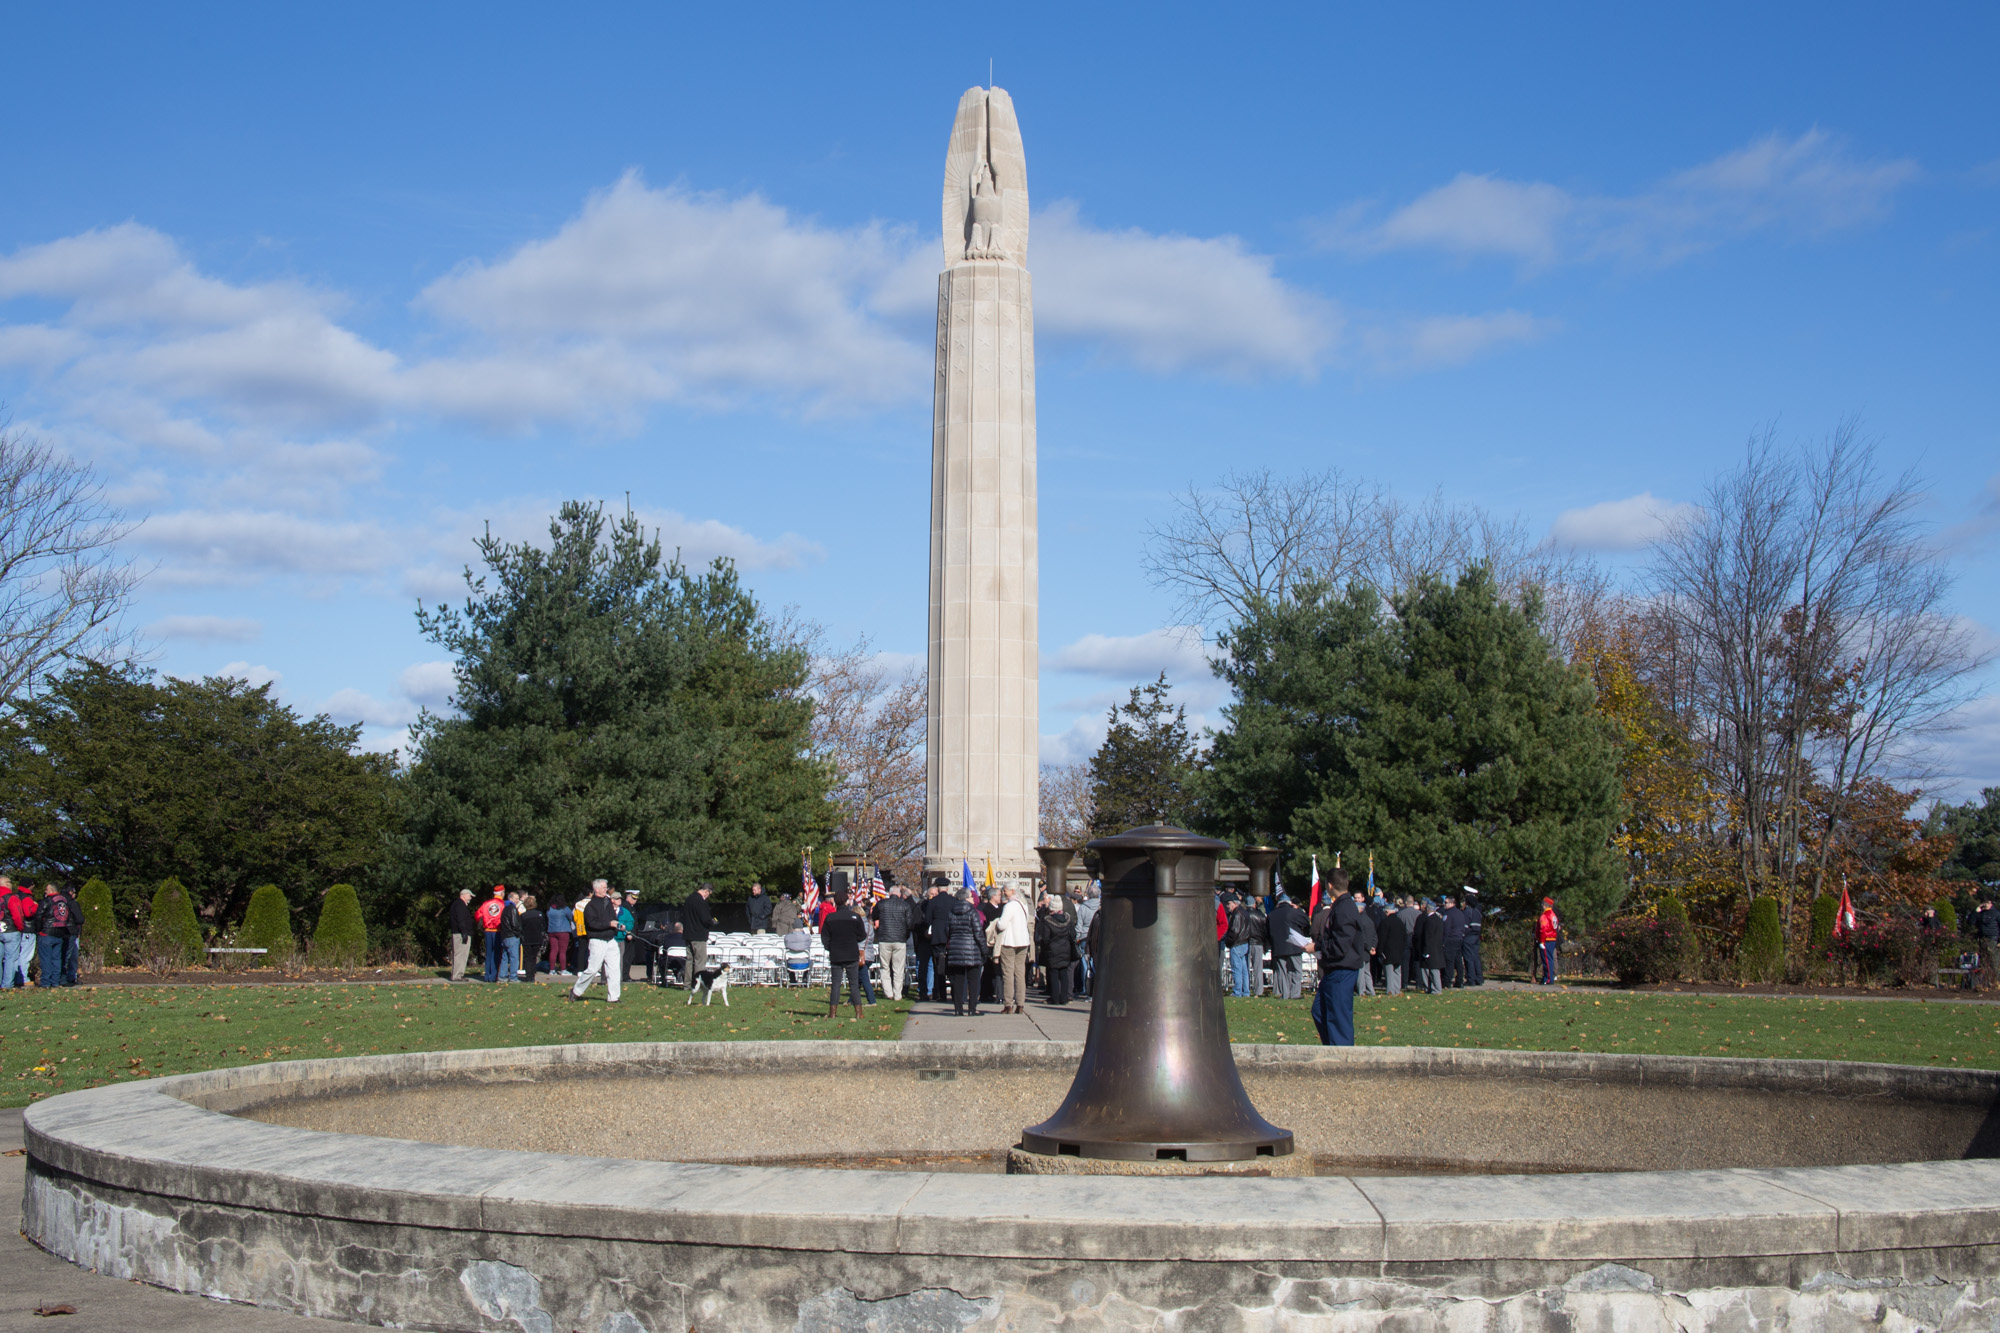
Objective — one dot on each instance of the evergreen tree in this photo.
(341, 938)
(101, 935)
(1825, 909)
(1761, 954)
(171, 927)
(1142, 773)
(618, 717)
(1441, 735)
(113, 775)
(1947, 916)
(1975, 833)
(268, 925)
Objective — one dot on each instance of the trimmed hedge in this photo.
(267, 924)
(172, 929)
(1947, 916)
(101, 937)
(1824, 909)
(1641, 950)
(341, 939)
(1761, 955)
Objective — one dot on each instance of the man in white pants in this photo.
(600, 928)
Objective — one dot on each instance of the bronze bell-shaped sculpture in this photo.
(1158, 1081)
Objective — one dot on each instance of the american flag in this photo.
(877, 891)
(808, 888)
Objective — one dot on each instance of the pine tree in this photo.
(101, 937)
(1441, 735)
(1761, 954)
(341, 939)
(617, 717)
(171, 929)
(1142, 772)
(268, 925)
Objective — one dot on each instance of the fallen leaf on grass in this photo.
(46, 1310)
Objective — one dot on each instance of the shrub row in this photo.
(172, 937)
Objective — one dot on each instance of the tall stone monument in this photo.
(984, 743)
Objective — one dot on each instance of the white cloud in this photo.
(1172, 303)
(1968, 759)
(1078, 741)
(1619, 525)
(214, 629)
(236, 546)
(351, 705)
(1809, 185)
(258, 674)
(1178, 651)
(670, 294)
(1449, 340)
(428, 683)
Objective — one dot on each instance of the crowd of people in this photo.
(43, 932)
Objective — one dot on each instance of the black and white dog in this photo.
(715, 980)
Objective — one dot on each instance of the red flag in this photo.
(1843, 919)
(1312, 899)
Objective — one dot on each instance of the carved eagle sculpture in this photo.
(985, 182)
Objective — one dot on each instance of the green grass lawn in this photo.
(60, 1040)
(1907, 1032)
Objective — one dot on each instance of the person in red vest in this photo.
(490, 914)
(1548, 935)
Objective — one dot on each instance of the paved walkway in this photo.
(930, 1021)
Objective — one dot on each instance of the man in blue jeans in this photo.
(1337, 941)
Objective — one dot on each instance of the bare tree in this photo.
(1810, 608)
(1257, 536)
(1066, 807)
(869, 723)
(63, 587)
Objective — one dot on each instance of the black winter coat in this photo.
(759, 908)
(842, 935)
(893, 917)
(964, 937)
(1394, 941)
(1427, 949)
(1285, 919)
(1055, 940)
(461, 918)
(697, 917)
(1339, 937)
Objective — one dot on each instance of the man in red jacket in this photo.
(1548, 935)
(17, 938)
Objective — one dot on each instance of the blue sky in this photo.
(323, 293)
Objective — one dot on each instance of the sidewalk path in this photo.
(930, 1021)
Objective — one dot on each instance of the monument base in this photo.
(1021, 1162)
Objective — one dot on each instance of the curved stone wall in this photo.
(190, 1183)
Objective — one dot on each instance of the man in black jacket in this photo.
(1393, 947)
(1427, 948)
(463, 928)
(1284, 922)
(842, 934)
(1454, 943)
(937, 916)
(600, 930)
(697, 919)
(1337, 939)
(1475, 921)
(893, 917)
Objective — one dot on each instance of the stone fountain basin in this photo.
(614, 1188)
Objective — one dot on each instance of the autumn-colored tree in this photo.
(869, 723)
